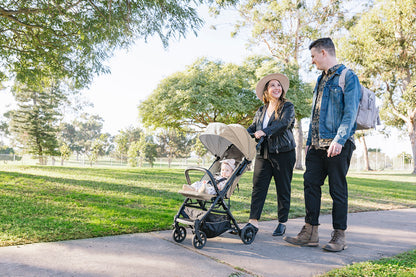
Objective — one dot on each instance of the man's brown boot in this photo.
(337, 242)
(308, 236)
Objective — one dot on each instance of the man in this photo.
(329, 146)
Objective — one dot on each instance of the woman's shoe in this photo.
(280, 230)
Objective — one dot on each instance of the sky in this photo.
(136, 72)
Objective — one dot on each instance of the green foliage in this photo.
(143, 150)
(65, 152)
(401, 265)
(148, 150)
(4, 127)
(407, 158)
(205, 92)
(82, 132)
(199, 148)
(97, 148)
(174, 144)
(382, 46)
(6, 150)
(124, 140)
(34, 123)
(71, 39)
(287, 26)
(133, 153)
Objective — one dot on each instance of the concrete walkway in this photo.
(370, 235)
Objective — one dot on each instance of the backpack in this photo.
(368, 114)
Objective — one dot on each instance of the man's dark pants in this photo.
(318, 167)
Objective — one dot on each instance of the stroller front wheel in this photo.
(199, 243)
(179, 234)
(248, 234)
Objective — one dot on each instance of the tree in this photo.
(199, 149)
(68, 135)
(286, 27)
(174, 144)
(205, 92)
(148, 150)
(65, 152)
(382, 48)
(34, 122)
(97, 148)
(124, 139)
(82, 132)
(133, 153)
(4, 150)
(71, 39)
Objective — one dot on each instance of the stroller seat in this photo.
(215, 167)
(197, 195)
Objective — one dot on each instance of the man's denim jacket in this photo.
(339, 109)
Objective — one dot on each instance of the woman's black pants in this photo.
(280, 167)
(318, 167)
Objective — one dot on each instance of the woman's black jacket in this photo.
(279, 136)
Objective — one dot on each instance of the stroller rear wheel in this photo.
(179, 234)
(248, 234)
(199, 243)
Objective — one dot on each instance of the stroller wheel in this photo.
(179, 234)
(199, 243)
(248, 234)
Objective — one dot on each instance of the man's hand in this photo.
(334, 149)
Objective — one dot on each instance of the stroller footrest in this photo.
(186, 221)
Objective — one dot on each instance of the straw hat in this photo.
(284, 81)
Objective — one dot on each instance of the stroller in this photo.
(209, 215)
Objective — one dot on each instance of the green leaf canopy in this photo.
(70, 39)
(205, 92)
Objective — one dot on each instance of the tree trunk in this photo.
(366, 160)
(412, 135)
(299, 144)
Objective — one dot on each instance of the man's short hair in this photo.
(324, 43)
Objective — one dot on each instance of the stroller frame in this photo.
(200, 202)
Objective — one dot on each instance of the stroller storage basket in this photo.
(213, 224)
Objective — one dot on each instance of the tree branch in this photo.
(10, 14)
(96, 8)
(393, 107)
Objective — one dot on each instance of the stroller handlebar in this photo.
(259, 143)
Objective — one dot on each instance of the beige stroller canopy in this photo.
(217, 138)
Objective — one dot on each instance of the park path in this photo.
(370, 236)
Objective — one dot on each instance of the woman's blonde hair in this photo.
(282, 98)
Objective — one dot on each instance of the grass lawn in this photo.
(39, 203)
(402, 265)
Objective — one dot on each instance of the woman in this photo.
(273, 123)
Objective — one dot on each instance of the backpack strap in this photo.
(341, 81)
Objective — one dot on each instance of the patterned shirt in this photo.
(317, 142)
